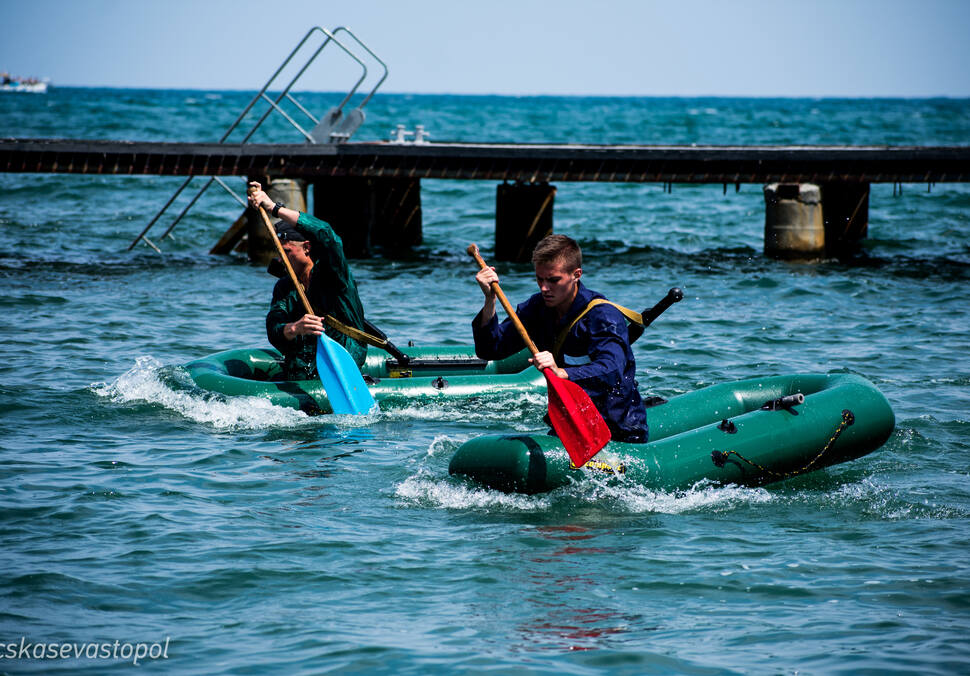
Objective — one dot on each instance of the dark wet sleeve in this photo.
(496, 340)
(608, 347)
(276, 319)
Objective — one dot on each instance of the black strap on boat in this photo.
(387, 345)
(720, 458)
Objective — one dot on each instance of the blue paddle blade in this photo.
(341, 378)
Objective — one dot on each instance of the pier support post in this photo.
(845, 209)
(523, 216)
(794, 227)
(370, 212)
(289, 191)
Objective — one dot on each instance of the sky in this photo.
(822, 48)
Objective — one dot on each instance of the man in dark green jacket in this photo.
(317, 256)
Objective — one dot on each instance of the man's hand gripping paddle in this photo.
(575, 419)
(338, 373)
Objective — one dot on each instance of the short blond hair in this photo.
(554, 248)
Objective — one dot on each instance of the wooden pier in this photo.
(370, 192)
(526, 163)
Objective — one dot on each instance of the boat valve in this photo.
(784, 403)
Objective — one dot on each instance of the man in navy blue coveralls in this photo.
(596, 353)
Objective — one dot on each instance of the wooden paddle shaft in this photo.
(286, 261)
(473, 251)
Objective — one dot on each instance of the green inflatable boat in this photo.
(428, 372)
(391, 374)
(749, 432)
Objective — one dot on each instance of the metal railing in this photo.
(332, 127)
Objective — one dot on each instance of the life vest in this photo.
(635, 318)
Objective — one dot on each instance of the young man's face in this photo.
(558, 284)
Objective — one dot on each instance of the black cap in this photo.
(287, 233)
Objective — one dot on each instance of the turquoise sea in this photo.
(245, 538)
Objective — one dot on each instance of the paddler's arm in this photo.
(280, 331)
(498, 340)
(327, 249)
(607, 352)
(260, 199)
(485, 278)
(545, 360)
(490, 337)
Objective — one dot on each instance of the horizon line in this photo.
(860, 97)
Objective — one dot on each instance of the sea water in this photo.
(137, 510)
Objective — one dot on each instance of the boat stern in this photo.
(511, 463)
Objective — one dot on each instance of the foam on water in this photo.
(426, 488)
(635, 499)
(144, 383)
(516, 410)
(149, 381)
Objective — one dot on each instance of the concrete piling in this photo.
(794, 227)
(803, 221)
(846, 215)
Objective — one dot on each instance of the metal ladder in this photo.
(333, 127)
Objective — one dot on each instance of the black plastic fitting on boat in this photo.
(786, 403)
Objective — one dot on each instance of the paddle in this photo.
(338, 372)
(574, 417)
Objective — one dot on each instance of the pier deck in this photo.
(529, 163)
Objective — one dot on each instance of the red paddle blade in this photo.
(579, 425)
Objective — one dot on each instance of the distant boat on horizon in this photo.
(28, 85)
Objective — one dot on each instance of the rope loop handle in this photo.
(720, 458)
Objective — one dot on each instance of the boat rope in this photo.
(720, 457)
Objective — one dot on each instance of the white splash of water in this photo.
(629, 497)
(146, 382)
(515, 411)
(427, 489)
(143, 384)
(443, 445)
